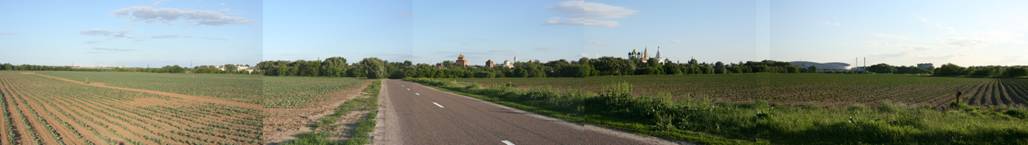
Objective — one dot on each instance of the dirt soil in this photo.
(282, 124)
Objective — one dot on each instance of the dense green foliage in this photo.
(326, 127)
(982, 71)
(333, 67)
(711, 122)
(227, 68)
(584, 67)
(373, 68)
(8, 66)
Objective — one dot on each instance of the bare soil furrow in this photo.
(67, 135)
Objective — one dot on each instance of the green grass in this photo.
(806, 89)
(324, 128)
(707, 121)
(272, 92)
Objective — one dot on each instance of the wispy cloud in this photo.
(105, 49)
(106, 33)
(171, 36)
(167, 15)
(7, 34)
(582, 13)
(176, 36)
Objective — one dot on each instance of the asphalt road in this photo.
(414, 114)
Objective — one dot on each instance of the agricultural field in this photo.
(57, 107)
(271, 92)
(806, 89)
(41, 110)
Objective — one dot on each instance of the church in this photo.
(643, 56)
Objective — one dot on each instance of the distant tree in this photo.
(671, 68)
(982, 71)
(811, 69)
(334, 66)
(206, 69)
(6, 66)
(881, 68)
(693, 67)
(911, 70)
(720, 68)
(613, 66)
(585, 68)
(397, 74)
(172, 69)
(1013, 72)
(949, 69)
(374, 68)
(707, 68)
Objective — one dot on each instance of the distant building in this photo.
(658, 55)
(245, 68)
(510, 64)
(238, 68)
(926, 66)
(635, 54)
(643, 56)
(489, 63)
(461, 61)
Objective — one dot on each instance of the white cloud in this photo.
(7, 34)
(582, 22)
(172, 36)
(582, 13)
(166, 15)
(106, 33)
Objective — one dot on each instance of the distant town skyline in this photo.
(181, 32)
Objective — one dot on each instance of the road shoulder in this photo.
(387, 130)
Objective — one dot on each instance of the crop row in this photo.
(271, 92)
(53, 112)
(1002, 92)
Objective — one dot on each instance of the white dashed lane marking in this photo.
(437, 104)
(507, 142)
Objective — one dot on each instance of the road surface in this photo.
(414, 114)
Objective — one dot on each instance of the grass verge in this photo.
(323, 129)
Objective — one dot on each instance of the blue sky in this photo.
(139, 33)
(94, 33)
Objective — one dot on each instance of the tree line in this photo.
(982, 71)
(584, 67)
(228, 68)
